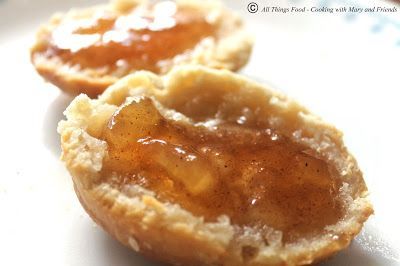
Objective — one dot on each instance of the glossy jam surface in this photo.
(139, 39)
(255, 176)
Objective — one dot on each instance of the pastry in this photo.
(86, 50)
(206, 167)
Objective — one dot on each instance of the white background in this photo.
(343, 68)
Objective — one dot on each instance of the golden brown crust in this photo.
(229, 49)
(167, 232)
(73, 84)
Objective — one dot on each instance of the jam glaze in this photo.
(256, 176)
(139, 39)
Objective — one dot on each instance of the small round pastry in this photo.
(85, 51)
(205, 167)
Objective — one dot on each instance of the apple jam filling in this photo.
(256, 176)
(140, 39)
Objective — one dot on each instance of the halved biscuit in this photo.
(87, 50)
(205, 167)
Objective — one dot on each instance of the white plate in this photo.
(345, 68)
